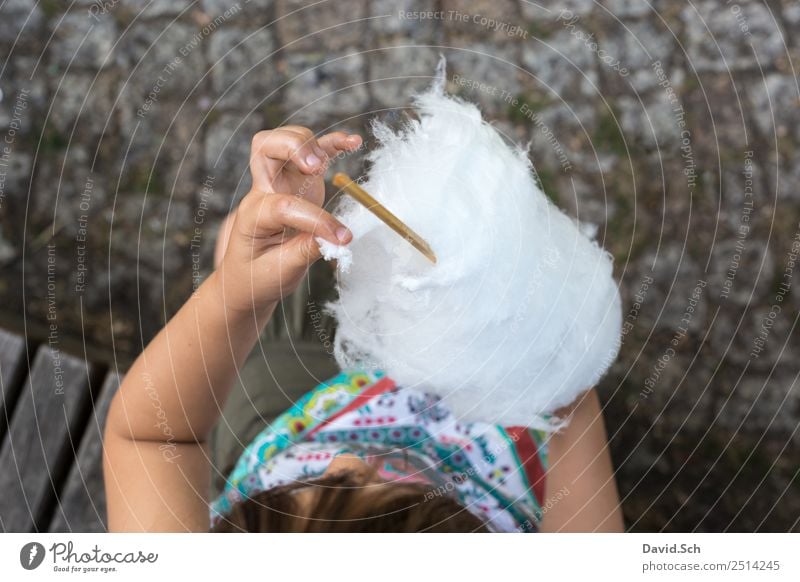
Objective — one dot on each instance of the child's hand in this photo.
(272, 241)
(290, 160)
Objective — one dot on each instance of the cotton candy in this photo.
(519, 315)
(333, 252)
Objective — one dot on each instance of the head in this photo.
(350, 497)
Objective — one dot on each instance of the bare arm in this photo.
(580, 484)
(156, 464)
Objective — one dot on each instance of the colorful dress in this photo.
(497, 473)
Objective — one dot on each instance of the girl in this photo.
(358, 453)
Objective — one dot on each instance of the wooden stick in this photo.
(344, 182)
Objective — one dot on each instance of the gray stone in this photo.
(182, 157)
(636, 46)
(516, 133)
(668, 399)
(736, 209)
(734, 37)
(628, 8)
(20, 81)
(397, 71)
(319, 86)
(66, 176)
(583, 200)
(18, 109)
(652, 124)
(156, 8)
(244, 68)
(227, 152)
(677, 278)
(485, 74)
(220, 7)
(561, 66)
(326, 26)
(7, 250)
(745, 266)
(162, 150)
(750, 335)
(483, 19)
(791, 12)
(397, 17)
(760, 401)
(775, 106)
(163, 63)
(20, 21)
(84, 105)
(151, 231)
(80, 41)
(534, 11)
(17, 176)
(556, 134)
(788, 178)
(245, 16)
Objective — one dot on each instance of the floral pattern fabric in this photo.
(497, 473)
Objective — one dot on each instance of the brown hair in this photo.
(343, 504)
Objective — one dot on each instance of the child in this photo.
(356, 454)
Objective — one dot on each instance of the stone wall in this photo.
(671, 126)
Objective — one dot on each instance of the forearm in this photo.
(177, 387)
(580, 487)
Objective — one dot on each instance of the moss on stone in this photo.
(608, 134)
(520, 111)
(548, 183)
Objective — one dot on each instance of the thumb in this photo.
(299, 252)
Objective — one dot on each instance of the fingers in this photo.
(292, 259)
(331, 143)
(301, 251)
(264, 215)
(271, 150)
(339, 141)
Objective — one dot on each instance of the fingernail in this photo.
(341, 233)
(312, 160)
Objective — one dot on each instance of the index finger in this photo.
(271, 150)
(266, 214)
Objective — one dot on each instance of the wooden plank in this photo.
(36, 453)
(82, 503)
(13, 368)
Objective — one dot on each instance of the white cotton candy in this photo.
(340, 253)
(519, 315)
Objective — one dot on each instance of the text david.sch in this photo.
(671, 549)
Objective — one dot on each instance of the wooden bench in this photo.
(52, 413)
(53, 409)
